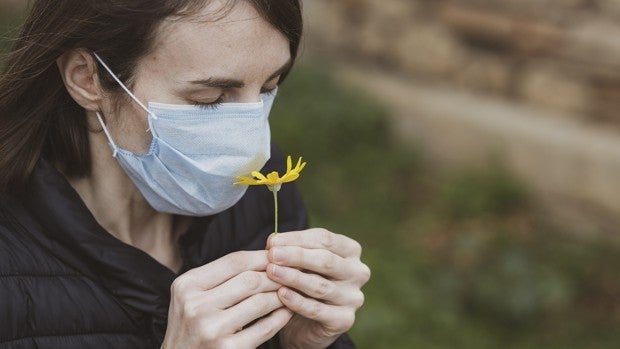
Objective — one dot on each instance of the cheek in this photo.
(128, 126)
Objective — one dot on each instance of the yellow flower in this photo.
(273, 179)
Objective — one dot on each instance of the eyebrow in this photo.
(232, 83)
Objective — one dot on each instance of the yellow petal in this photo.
(289, 164)
(241, 180)
(258, 175)
(289, 177)
(301, 167)
(272, 179)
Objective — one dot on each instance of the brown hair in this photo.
(37, 115)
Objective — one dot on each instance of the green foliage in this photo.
(338, 132)
(458, 259)
(489, 192)
(9, 24)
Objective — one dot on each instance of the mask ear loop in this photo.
(107, 133)
(126, 89)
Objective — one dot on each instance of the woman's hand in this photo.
(322, 276)
(211, 304)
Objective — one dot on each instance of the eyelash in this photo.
(210, 105)
(220, 100)
(269, 91)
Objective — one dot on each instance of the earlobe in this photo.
(79, 74)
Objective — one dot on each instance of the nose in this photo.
(250, 98)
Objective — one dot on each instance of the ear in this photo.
(79, 73)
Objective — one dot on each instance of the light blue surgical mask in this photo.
(196, 153)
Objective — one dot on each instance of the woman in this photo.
(122, 127)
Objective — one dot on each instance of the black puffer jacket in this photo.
(67, 283)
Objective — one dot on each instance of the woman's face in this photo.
(203, 60)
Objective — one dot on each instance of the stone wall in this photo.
(563, 55)
(532, 83)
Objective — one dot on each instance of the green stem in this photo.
(275, 202)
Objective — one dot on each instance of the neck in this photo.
(119, 207)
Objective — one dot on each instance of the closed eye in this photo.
(210, 105)
(269, 90)
(218, 102)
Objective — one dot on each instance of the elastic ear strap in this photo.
(123, 86)
(107, 133)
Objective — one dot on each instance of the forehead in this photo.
(220, 40)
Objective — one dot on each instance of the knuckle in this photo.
(179, 287)
(356, 248)
(266, 329)
(262, 303)
(314, 311)
(323, 288)
(326, 238)
(329, 262)
(365, 273)
(226, 343)
(239, 260)
(209, 332)
(358, 299)
(251, 280)
(348, 319)
(189, 311)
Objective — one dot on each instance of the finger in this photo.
(219, 271)
(261, 331)
(317, 239)
(239, 288)
(335, 319)
(321, 262)
(315, 286)
(252, 308)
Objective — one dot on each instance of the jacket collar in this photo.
(55, 215)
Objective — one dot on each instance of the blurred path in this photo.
(533, 85)
(574, 169)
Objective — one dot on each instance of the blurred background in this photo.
(473, 148)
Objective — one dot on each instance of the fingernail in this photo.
(276, 270)
(278, 254)
(270, 239)
(285, 293)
